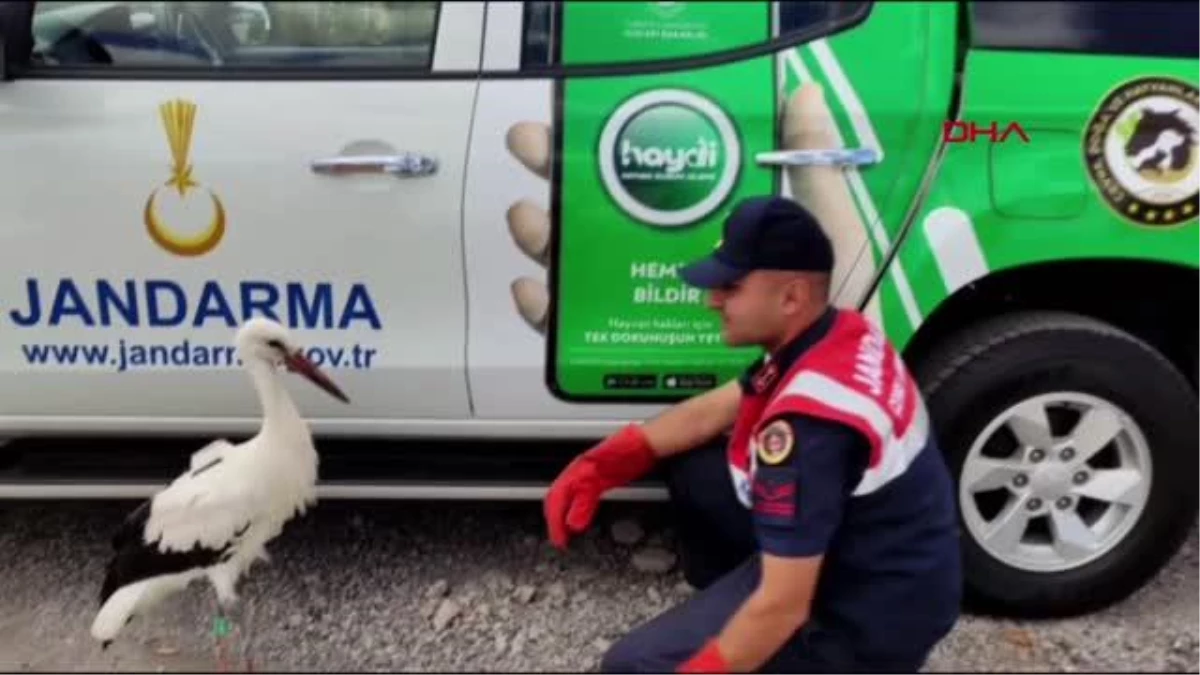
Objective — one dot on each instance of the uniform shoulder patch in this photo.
(775, 442)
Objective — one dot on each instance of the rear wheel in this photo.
(1074, 447)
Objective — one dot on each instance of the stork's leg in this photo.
(246, 633)
(227, 623)
(227, 631)
(220, 629)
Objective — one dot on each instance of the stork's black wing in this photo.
(139, 554)
(138, 560)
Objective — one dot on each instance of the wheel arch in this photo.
(1114, 291)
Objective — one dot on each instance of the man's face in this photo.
(757, 309)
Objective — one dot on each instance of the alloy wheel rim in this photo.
(1055, 482)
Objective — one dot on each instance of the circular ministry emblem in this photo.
(669, 157)
(775, 442)
(1140, 149)
(668, 10)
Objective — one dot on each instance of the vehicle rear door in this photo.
(889, 84)
(172, 169)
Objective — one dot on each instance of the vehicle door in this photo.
(172, 169)
(631, 131)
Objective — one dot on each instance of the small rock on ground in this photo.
(446, 612)
(653, 560)
(525, 593)
(627, 532)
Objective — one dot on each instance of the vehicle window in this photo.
(798, 16)
(599, 33)
(537, 34)
(1129, 28)
(233, 35)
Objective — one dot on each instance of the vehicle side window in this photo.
(669, 22)
(232, 35)
(537, 35)
(797, 16)
(1124, 28)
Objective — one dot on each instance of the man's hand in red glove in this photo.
(707, 660)
(575, 495)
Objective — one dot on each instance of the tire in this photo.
(973, 378)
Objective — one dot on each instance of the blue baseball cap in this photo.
(763, 233)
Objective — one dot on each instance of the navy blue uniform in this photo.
(890, 584)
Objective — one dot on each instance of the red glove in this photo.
(575, 495)
(707, 660)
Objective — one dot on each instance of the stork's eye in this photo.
(276, 344)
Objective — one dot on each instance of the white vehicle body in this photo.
(416, 322)
(429, 254)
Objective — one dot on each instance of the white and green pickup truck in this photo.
(472, 213)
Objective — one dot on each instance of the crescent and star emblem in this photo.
(178, 117)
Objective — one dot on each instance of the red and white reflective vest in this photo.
(852, 375)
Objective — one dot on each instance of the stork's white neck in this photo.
(279, 412)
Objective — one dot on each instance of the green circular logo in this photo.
(669, 157)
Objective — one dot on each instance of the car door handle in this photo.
(850, 157)
(404, 165)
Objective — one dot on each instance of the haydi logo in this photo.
(669, 157)
(996, 132)
(703, 154)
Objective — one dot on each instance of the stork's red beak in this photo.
(298, 363)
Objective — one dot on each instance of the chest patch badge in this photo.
(775, 442)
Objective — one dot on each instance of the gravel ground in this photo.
(475, 587)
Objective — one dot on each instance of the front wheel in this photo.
(1074, 447)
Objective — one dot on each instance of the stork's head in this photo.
(267, 342)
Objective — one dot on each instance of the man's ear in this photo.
(804, 290)
(796, 293)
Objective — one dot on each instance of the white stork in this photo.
(214, 520)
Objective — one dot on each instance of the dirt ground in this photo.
(429, 588)
(24, 649)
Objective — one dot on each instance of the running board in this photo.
(66, 468)
(325, 491)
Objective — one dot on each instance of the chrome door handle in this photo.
(851, 157)
(404, 165)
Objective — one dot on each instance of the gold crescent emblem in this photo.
(178, 117)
